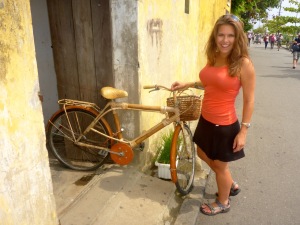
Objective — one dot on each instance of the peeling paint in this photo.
(1, 4)
(154, 27)
(25, 176)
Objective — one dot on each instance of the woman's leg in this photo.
(203, 156)
(223, 178)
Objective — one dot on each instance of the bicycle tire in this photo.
(182, 159)
(60, 138)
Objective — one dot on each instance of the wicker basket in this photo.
(189, 107)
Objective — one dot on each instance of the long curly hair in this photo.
(240, 46)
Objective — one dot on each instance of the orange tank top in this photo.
(219, 96)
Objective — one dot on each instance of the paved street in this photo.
(269, 175)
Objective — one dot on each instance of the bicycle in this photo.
(81, 138)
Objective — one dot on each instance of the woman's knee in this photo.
(219, 166)
(203, 156)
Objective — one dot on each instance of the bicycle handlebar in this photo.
(157, 87)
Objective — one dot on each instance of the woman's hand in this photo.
(240, 140)
(178, 85)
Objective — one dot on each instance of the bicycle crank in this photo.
(121, 153)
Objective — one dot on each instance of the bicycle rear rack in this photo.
(72, 102)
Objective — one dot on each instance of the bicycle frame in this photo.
(113, 107)
(81, 138)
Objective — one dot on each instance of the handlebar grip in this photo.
(149, 86)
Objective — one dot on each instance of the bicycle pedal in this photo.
(142, 146)
(103, 153)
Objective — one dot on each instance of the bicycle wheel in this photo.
(183, 159)
(65, 127)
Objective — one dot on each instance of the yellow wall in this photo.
(26, 195)
(171, 47)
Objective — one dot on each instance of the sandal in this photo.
(216, 210)
(233, 191)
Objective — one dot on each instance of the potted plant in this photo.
(163, 159)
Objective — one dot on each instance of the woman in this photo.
(220, 138)
(272, 40)
(266, 40)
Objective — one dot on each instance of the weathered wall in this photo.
(26, 195)
(171, 41)
(125, 58)
(44, 57)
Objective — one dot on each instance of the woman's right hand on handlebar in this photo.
(178, 85)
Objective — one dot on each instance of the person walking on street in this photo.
(219, 136)
(279, 41)
(272, 40)
(249, 38)
(296, 51)
(266, 40)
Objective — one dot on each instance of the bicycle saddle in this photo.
(113, 93)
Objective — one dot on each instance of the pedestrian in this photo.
(266, 40)
(279, 41)
(249, 36)
(219, 136)
(296, 51)
(272, 40)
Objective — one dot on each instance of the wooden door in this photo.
(81, 42)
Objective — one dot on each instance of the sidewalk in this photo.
(121, 195)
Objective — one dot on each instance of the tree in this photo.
(260, 30)
(288, 25)
(251, 11)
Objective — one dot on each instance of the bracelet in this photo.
(248, 125)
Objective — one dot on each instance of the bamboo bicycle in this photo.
(81, 138)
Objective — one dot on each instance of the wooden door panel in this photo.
(81, 41)
(102, 44)
(84, 49)
(63, 44)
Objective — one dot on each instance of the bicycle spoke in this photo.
(184, 151)
(67, 127)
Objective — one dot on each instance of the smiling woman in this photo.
(219, 135)
(225, 40)
(234, 27)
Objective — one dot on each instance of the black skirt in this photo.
(217, 140)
